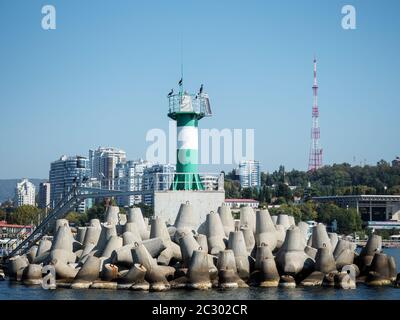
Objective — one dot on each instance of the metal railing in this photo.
(163, 181)
(160, 181)
(186, 102)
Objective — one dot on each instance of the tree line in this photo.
(282, 186)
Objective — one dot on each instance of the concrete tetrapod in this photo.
(80, 234)
(59, 223)
(227, 271)
(263, 252)
(198, 273)
(156, 275)
(249, 240)
(135, 215)
(62, 255)
(186, 220)
(134, 279)
(373, 245)
(303, 226)
(283, 220)
(113, 244)
(341, 246)
(123, 255)
(280, 236)
(187, 245)
(32, 274)
(130, 238)
(346, 279)
(132, 227)
(215, 233)
(87, 274)
(320, 238)
(109, 273)
(237, 244)
(88, 250)
(112, 215)
(311, 252)
(202, 241)
(16, 266)
(345, 257)
(32, 253)
(329, 279)
(291, 258)
(95, 223)
(248, 218)
(314, 279)
(226, 260)
(292, 222)
(226, 218)
(92, 236)
(172, 250)
(107, 231)
(122, 220)
(324, 261)
(63, 239)
(90, 244)
(62, 246)
(265, 230)
(269, 273)
(380, 272)
(64, 271)
(43, 250)
(333, 237)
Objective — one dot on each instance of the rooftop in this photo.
(365, 197)
(241, 200)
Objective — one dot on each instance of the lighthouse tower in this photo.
(187, 109)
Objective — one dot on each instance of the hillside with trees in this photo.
(292, 191)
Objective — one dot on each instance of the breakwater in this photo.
(129, 252)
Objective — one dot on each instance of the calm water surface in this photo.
(13, 291)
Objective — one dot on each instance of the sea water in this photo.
(16, 291)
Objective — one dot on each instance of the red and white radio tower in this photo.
(315, 159)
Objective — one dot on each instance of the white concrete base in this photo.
(167, 203)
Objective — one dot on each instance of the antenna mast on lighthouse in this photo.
(315, 158)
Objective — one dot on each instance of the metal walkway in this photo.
(70, 201)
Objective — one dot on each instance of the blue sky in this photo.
(101, 77)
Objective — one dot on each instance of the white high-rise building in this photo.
(129, 177)
(103, 163)
(158, 177)
(249, 174)
(66, 173)
(25, 193)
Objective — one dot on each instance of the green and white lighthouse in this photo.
(187, 109)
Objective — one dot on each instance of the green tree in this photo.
(25, 215)
(3, 215)
(232, 189)
(308, 211)
(96, 212)
(283, 190)
(288, 209)
(348, 220)
(77, 218)
(246, 193)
